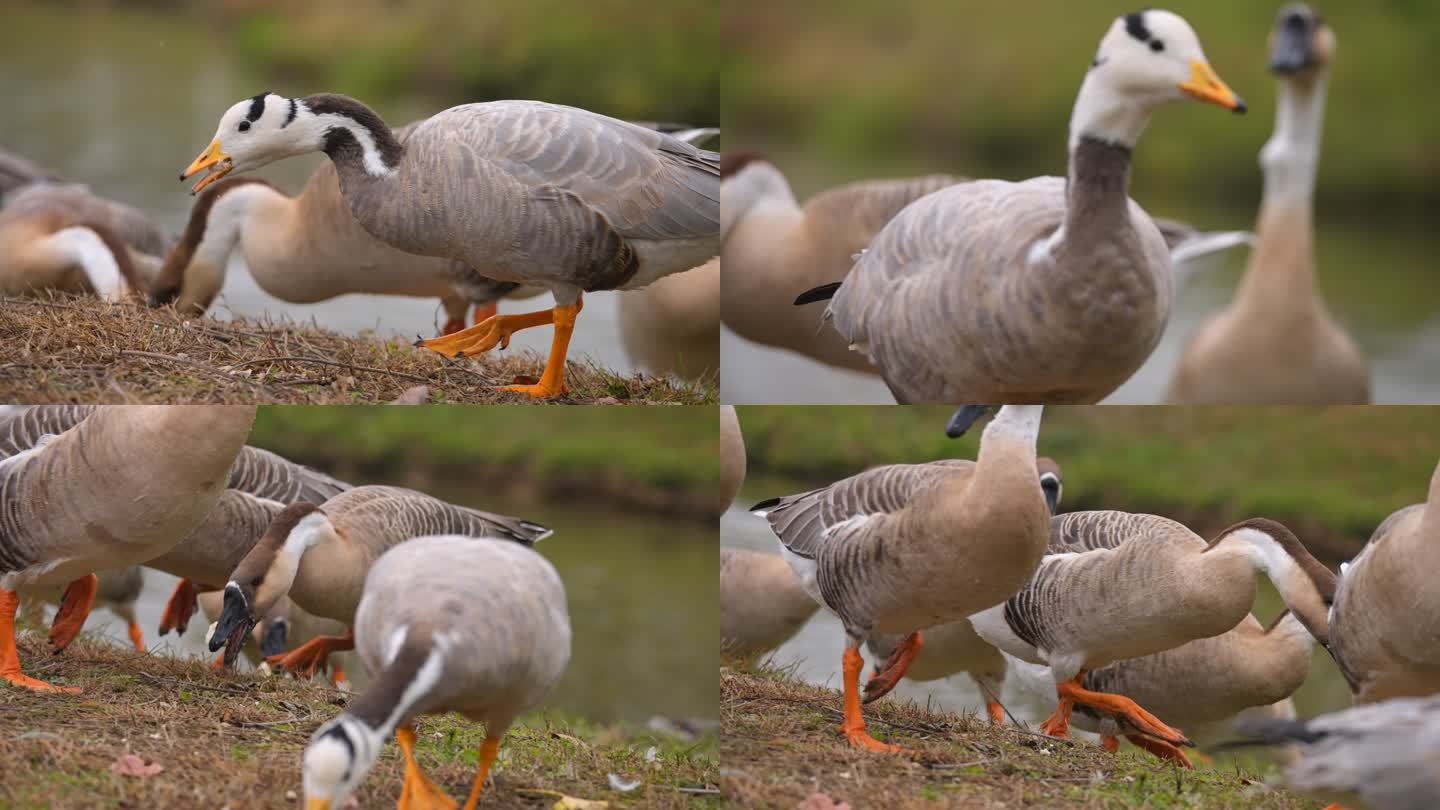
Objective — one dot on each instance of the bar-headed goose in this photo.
(522, 191)
(1276, 342)
(1116, 585)
(909, 546)
(1385, 628)
(447, 623)
(761, 603)
(955, 647)
(305, 249)
(1379, 756)
(673, 326)
(64, 237)
(1048, 290)
(318, 555)
(123, 486)
(732, 456)
(1200, 686)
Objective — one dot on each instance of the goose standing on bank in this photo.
(447, 623)
(1277, 342)
(306, 249)
(146, 474)
(910, 546)
(1048, 290)
(318, 555)
(1173, 588)
(954, 647)
(523, 191)
(1385, 628)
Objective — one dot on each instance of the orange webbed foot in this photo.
(179, 608)
(1161, 749)
(887, 676)
(137, 637)
(996, 712)
(75, 608)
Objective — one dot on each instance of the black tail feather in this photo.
(766, 504)
(822, 293)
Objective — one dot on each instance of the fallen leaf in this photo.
(650, 753)
(132, 765)
(563, 802)
(821, 801)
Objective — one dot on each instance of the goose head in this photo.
(1146, 59)
(1301, 44)
(1051, 482)
(340, 754)
(252, 133)
(747, 180)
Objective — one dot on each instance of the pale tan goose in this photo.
(954, 647)
(911, 546)
(448, 623)
(124, 485)
(318, 555)
(761, 603)
(1277, 341)
(522, 191)
(732, 456)
(1202, 685)
(1380, 756)
(1049, 290)
(1116, 585)
(63, 237)
(1385, 628)
(305, 249)
(673, 326)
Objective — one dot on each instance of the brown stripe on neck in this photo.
(1099, 180)
(340, 144)
(171, 277)
(121, 252)
(1275, 622)
(733, 161)
(253, 569)
(1322, 577)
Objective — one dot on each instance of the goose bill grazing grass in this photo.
(1047, 290)
(522, 191)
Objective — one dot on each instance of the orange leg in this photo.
(997, 712)
(219, 662)
(484, 312)
(313, 654)
(1058, 723)
(887, 676)
(1110, 742)
(1146, 722)
(1160, 748)
(75, 608)
(418, 792)
(9, 656)
(337, 677)
(181, 606)
(854, 725)
(552, 380)
(489, 749)
(137, 637)
(482, 337)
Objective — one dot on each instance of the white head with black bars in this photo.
(340, 754)
(271, 127)
(1146, 59)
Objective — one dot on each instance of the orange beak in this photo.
(213, 159)
(1205, 86)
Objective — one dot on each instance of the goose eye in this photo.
(1156, 45)
(244, 126)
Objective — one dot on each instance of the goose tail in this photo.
(822, 293)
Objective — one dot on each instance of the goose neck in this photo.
(411, 672)
(1097, 196)
(758, 190)
(1015, 426)
(1291, 156)
(1305, 585)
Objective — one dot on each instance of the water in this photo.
(814, 652)
(122, 100)
(1379, 283)
(643, 597)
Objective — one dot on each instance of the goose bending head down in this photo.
(1047, 290)
(523, 191)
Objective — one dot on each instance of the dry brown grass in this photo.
(780, 744)
(236, 740)
(64, 348)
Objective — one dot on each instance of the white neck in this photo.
(309, 130)
(1014, 423)
(227, 221)
(1290, 629)
(83, 247)
(311, 529)
(425, 680)
(757, 189)
(1100, 112)
(1265, 554)
(1290, 157)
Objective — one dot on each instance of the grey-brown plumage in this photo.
(761, 603)
(1385, 626)
(1384, 756)
(17, 172)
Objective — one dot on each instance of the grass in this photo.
(1331, 474)
(64, 348)
(236, 741)
(780, 745)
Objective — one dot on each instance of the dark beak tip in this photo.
(1240, 107)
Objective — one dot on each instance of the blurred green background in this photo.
(852, 89)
